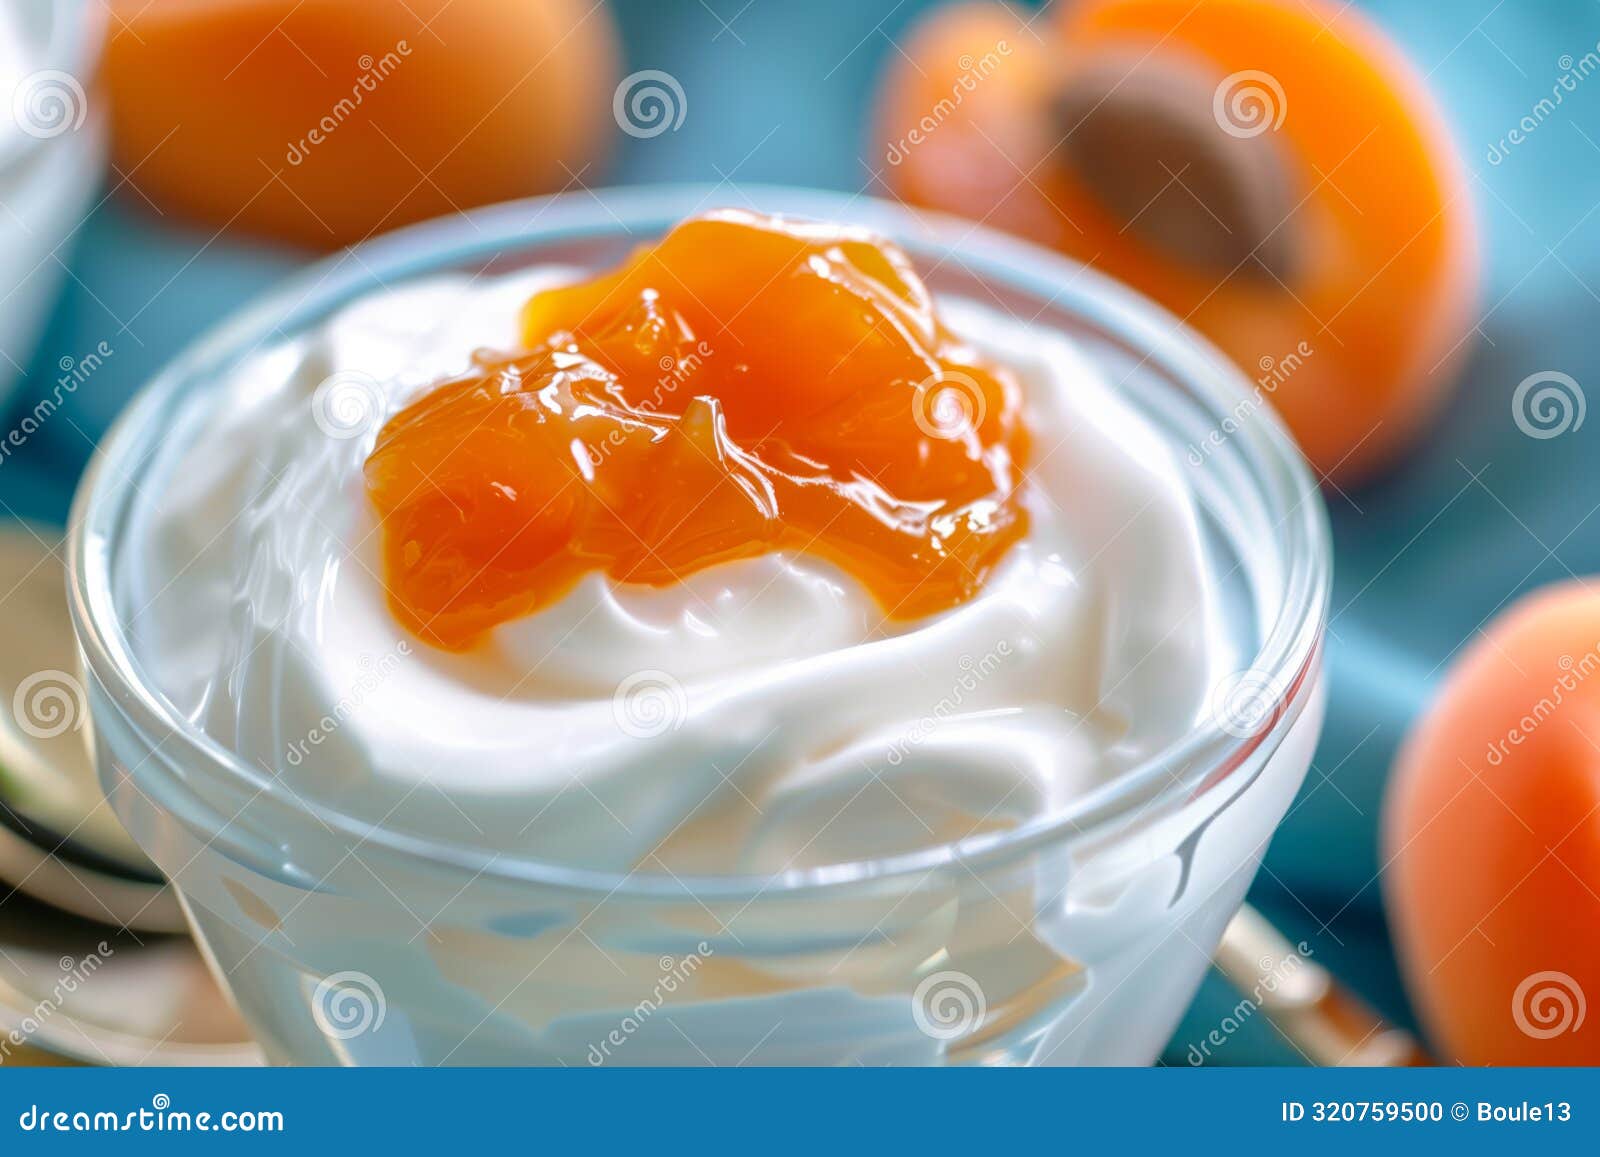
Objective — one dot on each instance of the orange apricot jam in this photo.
(746, 385)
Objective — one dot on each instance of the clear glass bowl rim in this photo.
(1287, 655)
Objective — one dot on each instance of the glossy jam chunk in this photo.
(746, 385)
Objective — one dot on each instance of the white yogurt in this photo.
(760, 717)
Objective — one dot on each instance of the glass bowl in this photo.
(1076, 938)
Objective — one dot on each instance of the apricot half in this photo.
(1272, 171)
(323, 121)
(1492, 842)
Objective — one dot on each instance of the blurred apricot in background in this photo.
(1492, 842)
(1274, 172)
(324, 121)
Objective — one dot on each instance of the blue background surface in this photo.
(776, 93)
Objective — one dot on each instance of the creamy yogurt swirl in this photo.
(759, 717)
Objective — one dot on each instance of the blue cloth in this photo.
(1425, 555)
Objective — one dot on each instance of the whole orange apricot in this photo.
(1272, 171)
(324, 121)
(1491, 835)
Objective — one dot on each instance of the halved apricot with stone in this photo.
(1271, 171)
